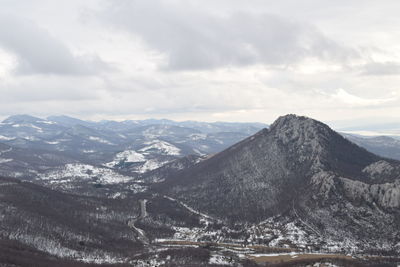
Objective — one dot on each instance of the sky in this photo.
(209, 60)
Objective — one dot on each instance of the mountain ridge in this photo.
(302, 171)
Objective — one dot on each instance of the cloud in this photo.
(248, 60)
(347, 98)
(381, 68)
(37, 89)
(38, 52)
(192, 40)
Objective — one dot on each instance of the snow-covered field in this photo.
(5, 138)
(127, 156)
(5, 160)
(162, 147)
(83, 171)
(152, 155)
(100, 140)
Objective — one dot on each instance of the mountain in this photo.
(296, 189)
(43, 227)
(20, 128)
(301, 171)
(217, 127)
(384, 146)
(392, 129)
(22, 118)
(27, 163)
(171, 168)
(114, 144)
(69, 121)
(66, 225)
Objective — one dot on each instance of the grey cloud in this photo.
(42, 88)
(381, 68)
(192, 39)
(38, 52)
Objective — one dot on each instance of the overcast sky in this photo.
(211, 60)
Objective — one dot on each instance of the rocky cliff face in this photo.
(298, 168)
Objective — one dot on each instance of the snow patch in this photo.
(150, 165)
(219, 260)
(52, 143)
(161, 147)
(5, 138)
(5, 160)
(88, 151)
(100, 140)
(126, 156)
(47, 122)
(196, 137)
(84, 172)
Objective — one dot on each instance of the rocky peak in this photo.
(305, 140)
(315, 143)
(301, 129)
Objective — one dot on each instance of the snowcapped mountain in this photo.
(26, 127)
(109, 142)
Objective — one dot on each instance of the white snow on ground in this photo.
(199, 152)
(161, 147)
(52, 143)
(189, 208)
(116, 195)
(31, 138)
(88, 151)
(54, 248)
(193, 234)
(28, 125)
(137, 188)
(219, 260)
(5, 160)
(64, 140)
(149, 165)
(143, 158)
(84, 171)
(2, 137)
(126, 156)
(275, 254)
(198, 136)
(204, 147)
(47, 122)
(5, 151)
(100, 140)
(131, 156)
(34, 127)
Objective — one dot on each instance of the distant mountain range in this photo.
(384, 146)
(387, 129)
(165, 193)
(132, 147)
